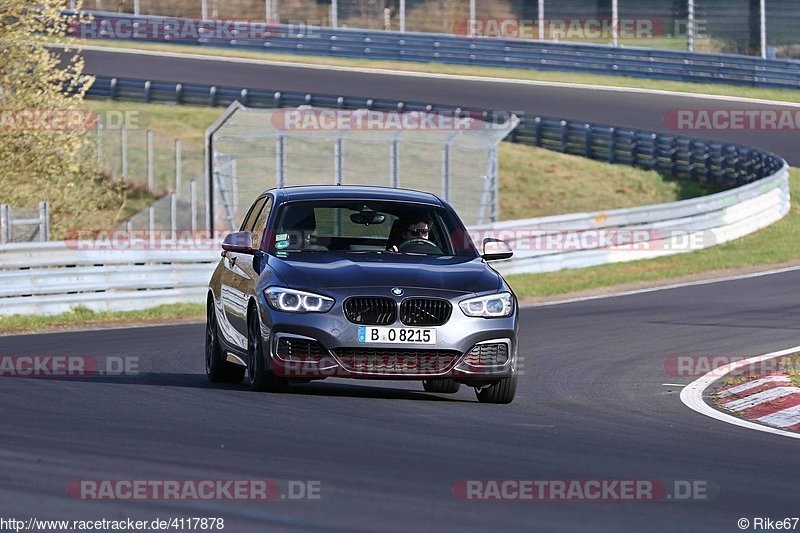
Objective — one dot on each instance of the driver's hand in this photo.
(393, 248)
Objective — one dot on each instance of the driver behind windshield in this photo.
(410, 228)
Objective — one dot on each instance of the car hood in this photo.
(315, 270)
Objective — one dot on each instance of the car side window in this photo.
(261, 222)
(249, 220)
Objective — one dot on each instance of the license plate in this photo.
(368, 334)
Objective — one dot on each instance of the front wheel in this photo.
(502, 391)
(218, 370)
(259, 376)
(441, 385)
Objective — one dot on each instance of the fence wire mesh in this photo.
(255, 150)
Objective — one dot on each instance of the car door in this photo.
(237, 280)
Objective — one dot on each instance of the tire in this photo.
(441, 385)
(259, 376)
(218, 370)
(502, 391)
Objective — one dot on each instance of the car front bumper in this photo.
(340, 354)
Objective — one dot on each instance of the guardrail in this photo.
(442, 48)
(722, 164)
(53, 277)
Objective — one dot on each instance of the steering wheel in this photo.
(419, 242)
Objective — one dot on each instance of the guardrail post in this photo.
(177, 164)
(150, 161)
(402, 16)
(178, 93)
(612, 145)
(212, 96)
(124, 147)
(193, 205)
(690, 26)
(564, 137)
(537, 131)
(5, 224)
(112, 89)
(44, 222)
(147, 86)
(587, 141)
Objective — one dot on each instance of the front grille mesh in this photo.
(493, 354)
(371, 310)
(425, 311)
(294, 349)
(396, 361)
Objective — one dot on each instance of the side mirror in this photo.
(496, 249)
(239, 242)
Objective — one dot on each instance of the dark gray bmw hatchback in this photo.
(365, 283)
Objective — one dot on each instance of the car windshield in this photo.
(369, 226)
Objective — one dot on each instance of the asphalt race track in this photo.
(635, 110)
(592, 403)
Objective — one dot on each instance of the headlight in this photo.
(493, 305)
(293, 301)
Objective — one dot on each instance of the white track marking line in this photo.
(692, 394)
(753, 384)
(765, 396)
(460, 77)
(784, 419)
(666, 287)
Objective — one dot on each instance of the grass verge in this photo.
(786, 95)
(533, 181)
(82, 317)
(777, 244)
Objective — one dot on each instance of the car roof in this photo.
(354, 192)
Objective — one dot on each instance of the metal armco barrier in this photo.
(441, 48)
(53, 277)
(723, 164)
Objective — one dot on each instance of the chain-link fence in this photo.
(731, 26)
(145, 159)
(452, 156)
